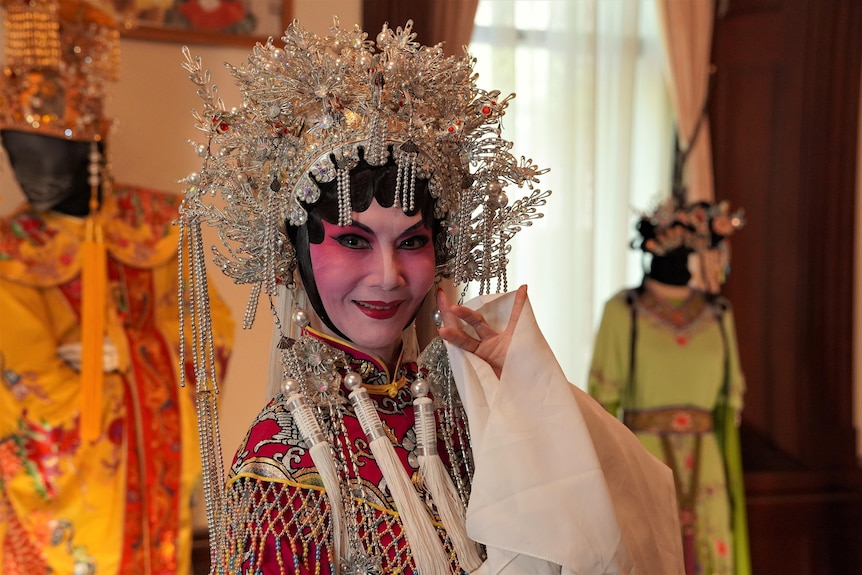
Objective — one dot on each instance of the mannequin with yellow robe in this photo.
(98, 441)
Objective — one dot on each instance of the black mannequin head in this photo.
(52, 172)
(671, 268)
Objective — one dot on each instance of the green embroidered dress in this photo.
(682, 401)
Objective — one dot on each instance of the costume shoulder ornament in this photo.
(311, 107)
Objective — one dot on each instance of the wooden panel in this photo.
(396, 13)
(804, 523)
(829, 148)
(756, 91)
(783, 127)
(730, 8)
(745, 151)
(201, 553)
(784, 120)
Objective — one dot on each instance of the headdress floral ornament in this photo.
(60, 56)
(697, 227)
(307, 110)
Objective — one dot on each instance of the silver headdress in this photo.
(308, 107)
(696, 227)
(674, 230)
(309, 111)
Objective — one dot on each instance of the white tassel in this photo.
(276, 373)
(442, 489)
(321, 455)
(425, 545)
(287, 300)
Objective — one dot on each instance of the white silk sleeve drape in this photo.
(560, 485)
(686, 29)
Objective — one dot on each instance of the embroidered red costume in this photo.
(291, 531)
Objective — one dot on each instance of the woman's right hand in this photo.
(491, 346)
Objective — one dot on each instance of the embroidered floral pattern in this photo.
(683, 358)
(684, 320)
(44, 248)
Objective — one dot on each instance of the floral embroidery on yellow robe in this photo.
(121, 504)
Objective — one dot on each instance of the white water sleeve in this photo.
(540, 487)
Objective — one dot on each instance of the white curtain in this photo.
(591, 105)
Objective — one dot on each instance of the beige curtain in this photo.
(592, 106)
(452, 24)
(686, 28)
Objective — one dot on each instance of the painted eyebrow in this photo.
(369, 231)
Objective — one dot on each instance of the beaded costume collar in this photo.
(677, 315)
(682, 319)
(375, 375)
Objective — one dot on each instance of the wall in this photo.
(857, 335)
(152, 104)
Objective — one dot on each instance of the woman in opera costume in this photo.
(98, 458)
(356, 175)
(666, 362)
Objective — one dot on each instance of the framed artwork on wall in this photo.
(225, 22)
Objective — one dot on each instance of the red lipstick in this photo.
(378, 309)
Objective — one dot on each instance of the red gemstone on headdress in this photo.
(223, 127)
(486, 110)
(451, 128)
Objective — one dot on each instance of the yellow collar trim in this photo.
(392, 388)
